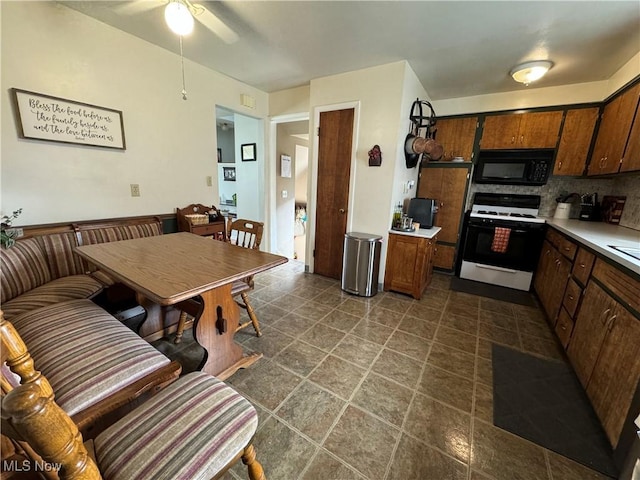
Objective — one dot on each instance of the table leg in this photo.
(214, 331)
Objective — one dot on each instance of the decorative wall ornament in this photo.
(43, 117)
(375, 156)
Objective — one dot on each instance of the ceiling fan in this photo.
(184, 10)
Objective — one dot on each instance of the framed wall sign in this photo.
(229, 174)
(248, 152)
(53, 119)
(285, 166)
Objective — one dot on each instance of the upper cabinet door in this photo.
(526, 130)
(575, 141)
(500, 131)
(631, 158)
(456, 135)
(539, 130)
(615, 125)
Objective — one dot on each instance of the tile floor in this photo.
(386, 388)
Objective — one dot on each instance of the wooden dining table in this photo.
(187, 272)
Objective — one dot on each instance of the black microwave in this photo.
(514, 167)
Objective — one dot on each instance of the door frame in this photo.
(312, 187)
(271, 166)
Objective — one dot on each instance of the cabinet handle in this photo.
(582, 265)
(563, 327)
(570, 297)
(603, 315)
(513, 139)
(611, 321)
(566, 249)
(521, 138)
(547, 252)
(560, 166)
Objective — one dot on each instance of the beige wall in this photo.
(290, 101)
(171, 143)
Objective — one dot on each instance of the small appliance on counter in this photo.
(589, 207)
(423, 211)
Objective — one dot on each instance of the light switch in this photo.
(285, 194)
(209, 181)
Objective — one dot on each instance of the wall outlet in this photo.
(285, 194)
(135, 190)
(209, 181)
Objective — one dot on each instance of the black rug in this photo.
(543, 401)
(492, 291)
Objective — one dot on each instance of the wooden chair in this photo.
(157, 440)
(246, 234)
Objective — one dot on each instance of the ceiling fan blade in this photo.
(138, 6)
(214, 24)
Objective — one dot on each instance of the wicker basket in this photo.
(197, 219)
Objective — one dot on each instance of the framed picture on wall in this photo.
(248, 152)
(285, 166)
(229, 174)
(219, 155)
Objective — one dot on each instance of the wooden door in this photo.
(615, 377)
(451, 203)
(615, 125)
(539, 130)
(575, 141)
(589, 331)
(334, 166)
(456, 135)
(631, 158)
(430, 183)
(500, 131)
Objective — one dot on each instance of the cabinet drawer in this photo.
(564, 327)
(582, 265)
(572, 297)
(625, 287)
(208, 229)
(565, 246)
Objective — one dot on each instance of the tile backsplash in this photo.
(627, 185)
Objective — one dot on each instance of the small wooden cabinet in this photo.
(526, 130)
(615, 127)
(551, 279)
(215, 228)
(447, 184)
(457, 135)
(577, 133)
(409, 266)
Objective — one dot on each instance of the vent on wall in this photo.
(247, 101)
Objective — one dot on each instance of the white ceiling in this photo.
(457, 49)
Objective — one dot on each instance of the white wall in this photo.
(379, 93)
(50, 49)
(250, 182)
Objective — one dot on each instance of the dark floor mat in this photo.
(543, 401)
(492, 291)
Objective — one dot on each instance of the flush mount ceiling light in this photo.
(178, 18)
(530, 71)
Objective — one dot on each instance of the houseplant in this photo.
(8, 234)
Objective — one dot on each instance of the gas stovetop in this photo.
(506, 207)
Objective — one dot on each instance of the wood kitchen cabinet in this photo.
(551, 280)
(409, 266)
(575, 140)
(446, 183)
(525, 130)
(615, 126)
(457, 135)
(631, 158)
(604, 346)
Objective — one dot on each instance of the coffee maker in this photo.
(589, 207)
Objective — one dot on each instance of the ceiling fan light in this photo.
(178, 18)
(531, 71)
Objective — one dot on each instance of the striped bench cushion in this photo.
(63, 261)
(55, 291)
(24, 267)
(84, 352)
(190, 430)
(141, 230)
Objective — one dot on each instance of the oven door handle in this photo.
(499, 269)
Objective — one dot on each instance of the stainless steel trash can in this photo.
(361, 263)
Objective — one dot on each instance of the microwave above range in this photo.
(514, 167)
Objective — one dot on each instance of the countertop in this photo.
(599, 235)
(421, 232)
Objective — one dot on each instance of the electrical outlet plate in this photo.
(135, 190)
(209, 181)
